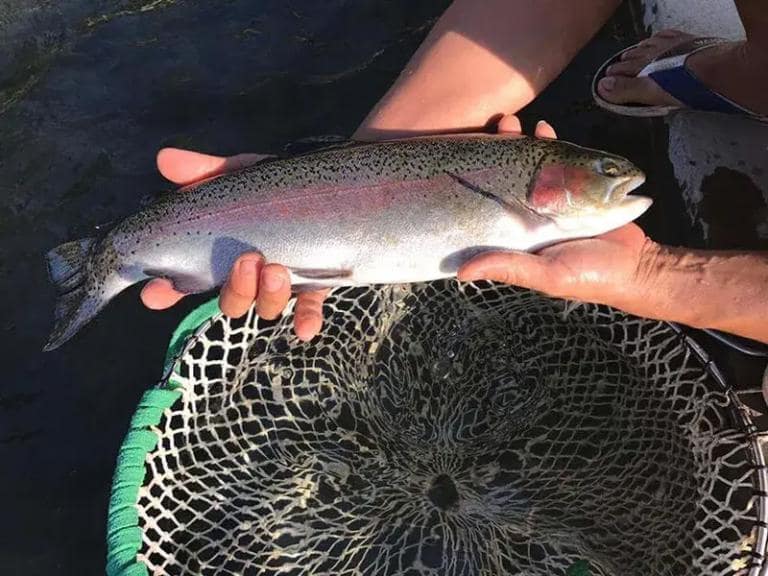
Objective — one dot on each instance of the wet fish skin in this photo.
(400, 211)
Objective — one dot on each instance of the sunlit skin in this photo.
(506, 47)
(483, 60)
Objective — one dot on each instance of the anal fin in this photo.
(316, 278)
(301, 288)
(321, 273)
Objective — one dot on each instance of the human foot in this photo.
(735, 70)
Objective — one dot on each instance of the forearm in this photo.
(725, 291)
(483, 59)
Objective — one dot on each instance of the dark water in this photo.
(89, 90)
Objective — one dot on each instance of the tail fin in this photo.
(75, 306)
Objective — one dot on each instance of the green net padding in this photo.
(439, 429)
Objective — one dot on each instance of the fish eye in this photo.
(608, 167)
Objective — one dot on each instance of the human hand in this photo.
(251, 278)
(607, 269)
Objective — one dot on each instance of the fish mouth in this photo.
(631, 204)
(622, 188)
(606, 218)
(635, 204)
(619, 207)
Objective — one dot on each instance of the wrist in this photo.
(667, 279)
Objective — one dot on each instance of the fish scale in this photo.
(391, 212)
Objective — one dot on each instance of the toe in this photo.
(623, 90)
(634, 54)
(626, 68)
(648, 43)
(670, 33)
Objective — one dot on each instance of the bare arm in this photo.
(722, 290)
(483, 59)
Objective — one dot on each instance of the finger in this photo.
(510, 124)
(545, 130)
(274, 291)
(308, 314)
(517, 268)
(185, 166)
(240, 290)
(159, 294)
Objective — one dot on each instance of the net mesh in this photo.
(446, 429)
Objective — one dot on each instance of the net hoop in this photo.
(124, 533)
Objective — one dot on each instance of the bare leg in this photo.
(754, 18)
(736, 70)
(483, 59)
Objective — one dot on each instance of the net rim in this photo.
(124, 537)
(752, 435)
(123, 530)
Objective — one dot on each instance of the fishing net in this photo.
(440, 429)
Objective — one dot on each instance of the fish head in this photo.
(582, 188)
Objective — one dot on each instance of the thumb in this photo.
(518, 268)
(185, 167)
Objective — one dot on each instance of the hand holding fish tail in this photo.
(250, 279)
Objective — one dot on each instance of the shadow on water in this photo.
(88, 92)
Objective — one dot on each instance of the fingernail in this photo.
(247, 267)
(608, 83)
(273, 282)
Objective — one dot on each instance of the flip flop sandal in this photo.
(668, 70)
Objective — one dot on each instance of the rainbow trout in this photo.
(391, 212)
